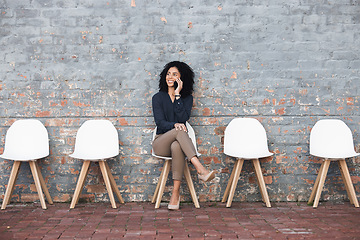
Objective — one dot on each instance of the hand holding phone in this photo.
(178, 86)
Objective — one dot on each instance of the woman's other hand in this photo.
(180, 126)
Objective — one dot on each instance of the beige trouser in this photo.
(175, 144)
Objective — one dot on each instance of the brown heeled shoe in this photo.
(208, 177)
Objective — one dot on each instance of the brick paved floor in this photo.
(211, 221)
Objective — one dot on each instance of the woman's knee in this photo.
(175, 146)
(181, 134)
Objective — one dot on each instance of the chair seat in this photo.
(161, 157)
(336, 156)
(252, 156)
(92, 158)
(14, 158)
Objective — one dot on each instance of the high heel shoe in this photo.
(174, 207)
(208, 177)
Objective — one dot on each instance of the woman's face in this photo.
(171, 76)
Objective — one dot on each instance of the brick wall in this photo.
(286, 63)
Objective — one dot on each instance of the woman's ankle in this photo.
(174, 197)
(175, 193)
(200, 169)
(204, 172)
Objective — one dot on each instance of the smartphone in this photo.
(175, 84)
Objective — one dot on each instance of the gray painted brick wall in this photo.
(286, 63)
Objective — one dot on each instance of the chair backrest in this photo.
(96, 140)
(191, 134)
(26, 140)
(246, 138)
(331, 138)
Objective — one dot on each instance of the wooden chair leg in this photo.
(153, 200)
(190, 184)
(321, 182)
(13, 185)
(263, 197)
(10, 187)
(258, 182)
(316, 184)
(261, 182)
(348, 182)
(227, 190)
(113, 184)
(345, 183)
(37, 183)
(107, 183)
(83, 182)
(234, 182)
(80, 183)
(43, 185)
(162, 184)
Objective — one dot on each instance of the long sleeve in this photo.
(159, 114)
(182, 108)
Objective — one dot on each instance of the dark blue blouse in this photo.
(167, 113)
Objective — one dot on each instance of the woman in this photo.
(172, 107)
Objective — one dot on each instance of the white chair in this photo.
(166, 169)
(96, 141)
(26, 141)
(245, 138)
(332, 140)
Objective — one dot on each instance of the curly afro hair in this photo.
(187, 76)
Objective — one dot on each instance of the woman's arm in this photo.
(159, 115)
(183, 108)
